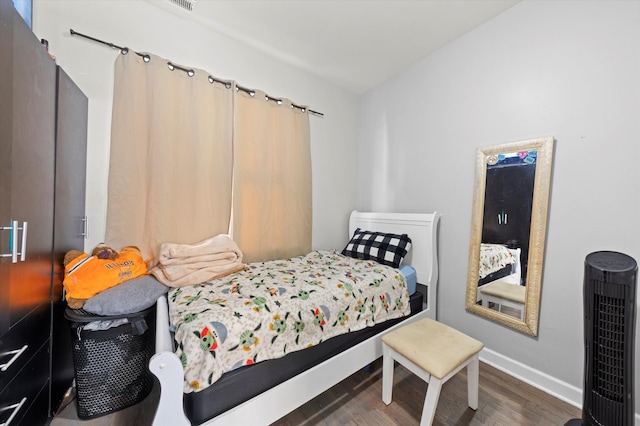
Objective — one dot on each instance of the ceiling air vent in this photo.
(184, 4)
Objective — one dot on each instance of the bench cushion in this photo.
(435, 347)
(505, 290)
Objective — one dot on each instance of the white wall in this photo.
(568, 69)
(143, 26)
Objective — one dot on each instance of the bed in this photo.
(500, 278)
(499, 262)
(280, 385)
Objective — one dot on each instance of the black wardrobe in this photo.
(507, 207)
(43, 128)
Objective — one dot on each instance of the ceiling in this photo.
(355, 44)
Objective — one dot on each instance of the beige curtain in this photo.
(171, 156)
(272, 178)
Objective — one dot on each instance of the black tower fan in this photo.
(610, 281)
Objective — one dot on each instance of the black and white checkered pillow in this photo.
(387, 249)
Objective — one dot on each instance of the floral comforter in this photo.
(494, 257)
(279, 307)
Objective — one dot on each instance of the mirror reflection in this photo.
(507, 236)
(504, 248)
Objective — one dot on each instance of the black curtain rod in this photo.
(190, 72)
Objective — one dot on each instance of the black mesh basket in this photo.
(111, 366)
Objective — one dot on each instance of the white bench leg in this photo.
(387, 374)
(431, 401)
(473, 381)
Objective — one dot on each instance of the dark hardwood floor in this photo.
(503, 400)
(356, 401)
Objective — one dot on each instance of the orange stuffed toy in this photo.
(85, 275)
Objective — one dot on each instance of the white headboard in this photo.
(422, 228)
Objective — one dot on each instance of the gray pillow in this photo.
(127, 298)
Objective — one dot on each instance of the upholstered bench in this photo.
(434, 352)
(504, 294)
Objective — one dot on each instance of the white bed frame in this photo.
(278, 401)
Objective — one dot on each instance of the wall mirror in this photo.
(508, 229)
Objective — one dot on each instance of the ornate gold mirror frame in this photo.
(525, 289)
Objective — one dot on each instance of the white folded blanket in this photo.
(183, 264)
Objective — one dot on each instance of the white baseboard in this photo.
(546, 383)
(557, 388)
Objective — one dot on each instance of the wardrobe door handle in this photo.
(23, 251)
(85, 227)
(13, 235)
(15, 408)
(16, 355)
(14, 241)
